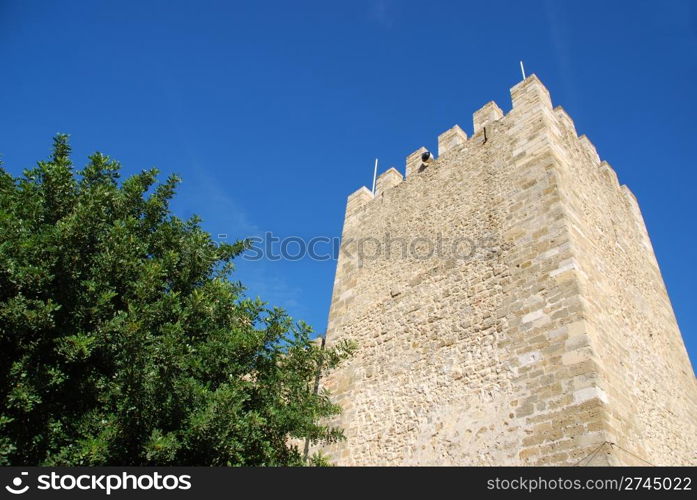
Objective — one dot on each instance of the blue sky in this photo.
(273, 112)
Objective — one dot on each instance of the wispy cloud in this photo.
(558, 37)
(219, 211)
(203, 194)
(222, 215)
(262, 282)
(382, 12)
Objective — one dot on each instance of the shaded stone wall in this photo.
(644, 371)
(488, 331)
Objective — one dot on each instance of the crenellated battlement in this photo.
(357, 199)
(530, 114)
(387, 179)
(609, 174)
(589, 149)
(565, 120)
(487, 114)
(451, 139)
(530, 93)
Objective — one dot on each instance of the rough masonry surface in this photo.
(507, 307)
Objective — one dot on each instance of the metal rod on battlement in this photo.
(375, 175)
(522, 69)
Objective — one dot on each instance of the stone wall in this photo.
(507, 307)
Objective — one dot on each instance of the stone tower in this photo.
(507, 307)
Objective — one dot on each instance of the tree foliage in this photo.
(124, 341)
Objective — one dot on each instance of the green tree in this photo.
(123, 340)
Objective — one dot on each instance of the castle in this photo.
(507, 307)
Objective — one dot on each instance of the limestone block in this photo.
(387, 180)
(487, 114)
(450, 139)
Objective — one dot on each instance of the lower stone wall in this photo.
(645, 372)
